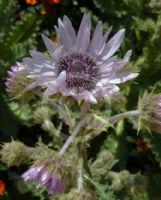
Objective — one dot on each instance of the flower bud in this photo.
(79, 195)
(117, 184)
(104, 162)
(41, 114)
(138, 183)
(150, 112)
(14, 153)
(134, 183)
(17, 81)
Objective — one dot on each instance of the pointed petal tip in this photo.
(123, 30)
(129, 51)
(65, 17)
(127, 55)
(121, 33)
(60, 22)
(44, 37)
(86, 17)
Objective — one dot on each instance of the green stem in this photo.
(116, 118)
(80, 175)
(74, 134)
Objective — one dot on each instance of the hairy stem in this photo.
(116, 118)
(74, 134)
(80, 175)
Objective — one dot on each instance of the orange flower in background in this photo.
(31, 2)
(142, 146)
(54, 1)
(2, 187)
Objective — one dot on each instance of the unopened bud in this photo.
(150, 112)
(14, 153)
(104, 162)
(41, 115)
(78, 195)
(16, 83)
(138, 183)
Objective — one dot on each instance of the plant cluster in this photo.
(80, 111)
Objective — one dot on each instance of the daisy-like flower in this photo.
(80, 66)
(150, 112)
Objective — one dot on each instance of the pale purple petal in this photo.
(97, 40)
(30, 174)
(127, 55)
(87, 96)
(44, 178)
(57, 85)
(113, 45)
(65, 36)
(70, 29)
(123, 77)
(50, 45)
(58, 53)
(83, 36)
(100, 50)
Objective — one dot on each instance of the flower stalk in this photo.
(77, 129)
(80, 175)
(116, 118)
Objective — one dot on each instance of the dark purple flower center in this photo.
(81, 71)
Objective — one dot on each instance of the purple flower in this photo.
(13, 73)
(17, 80)
(42, 177)
(78, 66)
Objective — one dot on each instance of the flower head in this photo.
(17, 81)
(13, 73)
(14, 153)
(150, 112)
(52, 183)
(78, 66)
(52, 173)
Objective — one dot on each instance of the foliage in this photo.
(21, 28)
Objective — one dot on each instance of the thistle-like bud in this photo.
(138, 183)
(150, 112)
(14, 153)
(42, 116)
(117, 184)
(54, 172)
(134, 183)
(17, 81)
(78, 195)
(104, 162)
